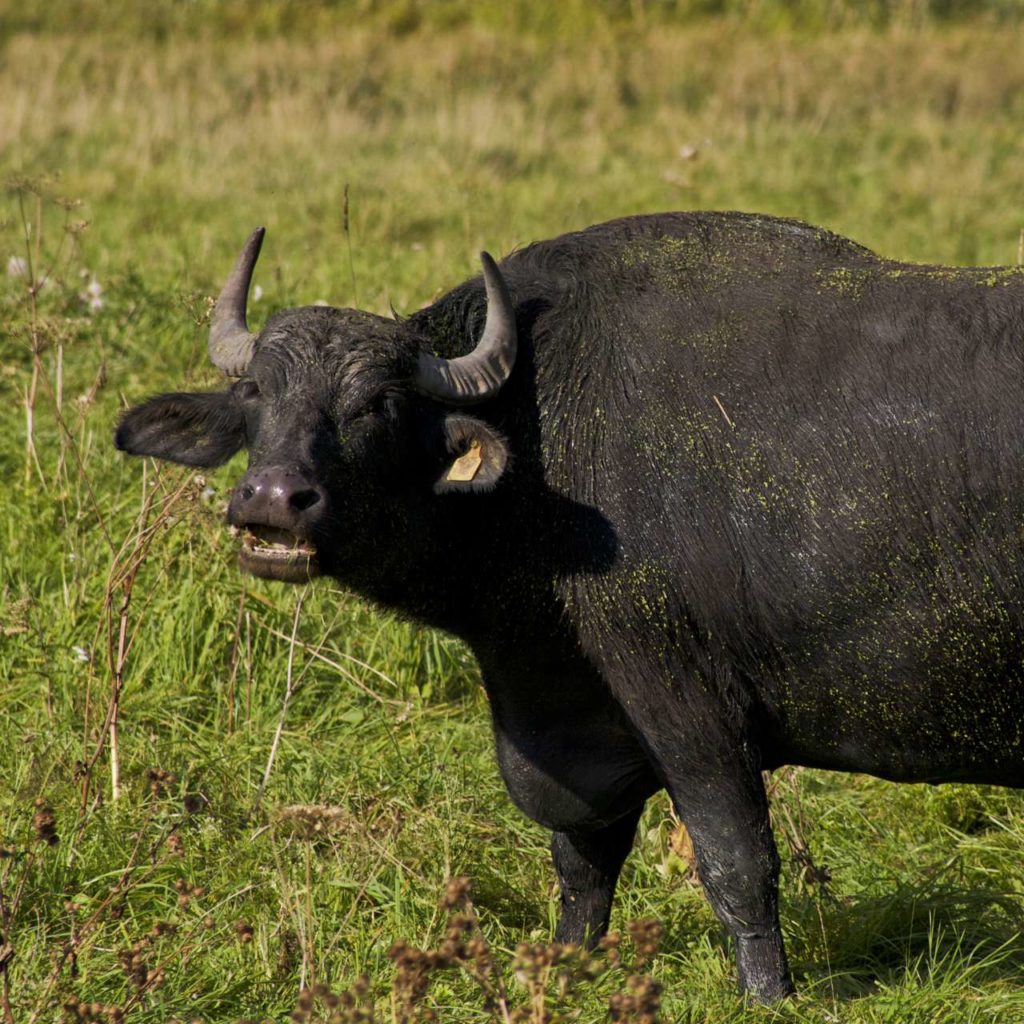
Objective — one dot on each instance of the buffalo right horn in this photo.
(480, 373)
(231, 341)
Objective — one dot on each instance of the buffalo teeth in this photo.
(278, 545)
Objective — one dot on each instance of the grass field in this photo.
(215, 792)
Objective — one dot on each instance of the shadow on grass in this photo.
(927, 931)
(520, 912)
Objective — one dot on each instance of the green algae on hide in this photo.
(851, 281)
(848, 282)
(678, 264)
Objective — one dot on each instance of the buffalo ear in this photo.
(476, 456)
(193, 429)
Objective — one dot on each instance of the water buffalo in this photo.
(705, 493)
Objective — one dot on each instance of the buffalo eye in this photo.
(381, 407)
(247, 390)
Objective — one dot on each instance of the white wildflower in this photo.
(17, 266)
(82, 654)
(257, 293)
(92, 296)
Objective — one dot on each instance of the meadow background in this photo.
(211, 797)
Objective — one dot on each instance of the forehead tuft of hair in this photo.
(352, 353)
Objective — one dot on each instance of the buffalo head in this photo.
(350, 422)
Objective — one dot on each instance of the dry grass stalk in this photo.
(32, 197)
(290, 683)
(155, 513)
(83, 932)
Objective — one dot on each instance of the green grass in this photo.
(455, 127)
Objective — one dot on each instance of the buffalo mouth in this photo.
(277, 554)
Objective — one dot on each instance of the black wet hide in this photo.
(191, 429)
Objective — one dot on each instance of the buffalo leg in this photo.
(588, 866)
(727, 818)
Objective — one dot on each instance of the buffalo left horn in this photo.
(480, 373)
(231, 341)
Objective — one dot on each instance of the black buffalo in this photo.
(705, 493)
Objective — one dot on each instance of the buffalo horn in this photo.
(480, 373)
(231, 341)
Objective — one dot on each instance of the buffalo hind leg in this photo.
(588, 866)
(727, 818)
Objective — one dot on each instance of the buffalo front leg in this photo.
(588, 866)
(727, 818)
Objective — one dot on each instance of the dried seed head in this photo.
(460, 925)
(397, 950)
(193, 803)
(646, 935)
(456, 893)
(639, 1004)
(134, 965)
(187, 891)
(44, 823)
(159, 780)
(450, 952)
(317, 821)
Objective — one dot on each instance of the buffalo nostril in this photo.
(301, 500)
(245, 492)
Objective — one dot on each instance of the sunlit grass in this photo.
(452, 135)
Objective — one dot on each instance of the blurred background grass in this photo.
(140, 144)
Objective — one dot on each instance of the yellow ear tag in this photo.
(465, 467)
